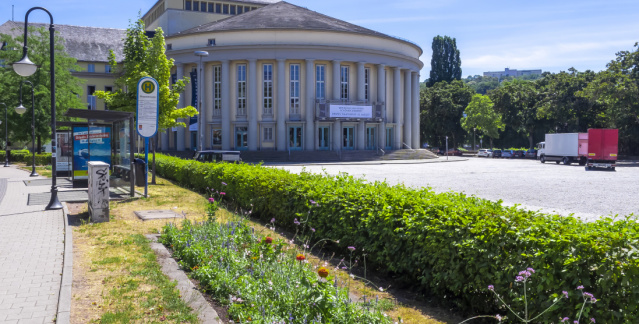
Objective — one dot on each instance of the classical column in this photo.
(337, 125)
(408, 107)
(252, 105)
(207, 104)
(381, 97)
(181, 130)
(226, 105)
(397, 108)
(310, 105)
(361, 96)
(415, 120)
(281, 105)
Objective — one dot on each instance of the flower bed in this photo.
(259, 280)
(449, 245)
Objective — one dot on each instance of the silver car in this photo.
(484, 153)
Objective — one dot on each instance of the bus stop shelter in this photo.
(101, 135)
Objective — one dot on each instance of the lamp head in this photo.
(25, 67)
(21, 109)
(201, 53)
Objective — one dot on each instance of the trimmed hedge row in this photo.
(449, 245)
(25, 156)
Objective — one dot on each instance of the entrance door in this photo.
(295, 137)
(323, 138)
(193, 141)
(175, 140)
(348, 138)
(371, 138)
(241, 138)
(389, 138)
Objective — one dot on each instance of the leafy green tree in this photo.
(517, 101)
(442, 107)
(445, 65)
(616, 89)
(145, 57)
(481, 116)
(67, 89)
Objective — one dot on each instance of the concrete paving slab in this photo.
(156, 214)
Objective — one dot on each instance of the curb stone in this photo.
(64, 297)
(188, 291)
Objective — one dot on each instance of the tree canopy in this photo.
(445, 65)
(144, 56)
(481, 116)
(442, 107)
(68, 87)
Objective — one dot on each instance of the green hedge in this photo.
(26, 157)
(449, 245)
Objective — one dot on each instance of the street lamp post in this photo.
(25, 68)
(201, 118)
(474, 147)
(21, 110)
(6, 137)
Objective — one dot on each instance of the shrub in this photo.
(450, 245)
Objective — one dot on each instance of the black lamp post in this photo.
(25, 68)
(21, 110)
(6, 137)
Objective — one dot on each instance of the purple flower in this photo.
(580, 287)
(224, 183)
(519, 279)
(212, 200)
(531, 270)
(491, 287)
(593, 300)
(296, 222)
(272, 220)
(565, 293)
(352, 248)
(344, 268)
(576, 322)
(312, 230)
(593, 320)
(313, 202)
(565, 319)
(588, 295)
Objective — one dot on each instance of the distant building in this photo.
(512, 73)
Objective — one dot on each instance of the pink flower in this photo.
(211, 200)
(352, 248)
(491, 287)
(222, 193)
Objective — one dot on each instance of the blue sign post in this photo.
(147, 114)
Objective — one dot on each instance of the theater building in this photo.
(281, 77)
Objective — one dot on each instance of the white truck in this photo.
(564, 148)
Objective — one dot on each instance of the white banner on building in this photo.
(348, 111)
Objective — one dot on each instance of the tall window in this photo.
(320, 85)
(268, 134)
(210, 7)
(343, 83)
(367, 77)
(233, 9)
(91, 67)
(187, 5)
(203, 6)
(107, 68)
(295, 89)
(267, 91)
(217, 90)
(225, 9)
(91, 104)
(218, 8)
(216, 136)
(241, 89)
(196, 5)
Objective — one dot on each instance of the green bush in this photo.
(26, 157)
(40, 159)
(448, 245)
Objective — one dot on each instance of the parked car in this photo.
(454, 152)
(531, 154)
(519, 154)
(507, 154)
(494, 154)
(217, 156)
(484, 152)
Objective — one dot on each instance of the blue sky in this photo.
(491, 35)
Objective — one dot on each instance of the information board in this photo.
(96, 147)
(148, 106)
(350, 111)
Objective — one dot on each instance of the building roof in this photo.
(281, 15)
(82, 43)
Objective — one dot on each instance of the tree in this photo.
(445, 65)
(146, 57)
(480, 115)
(68, 87)
(442, 107)
(518, 101)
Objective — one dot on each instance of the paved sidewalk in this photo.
(32, 245)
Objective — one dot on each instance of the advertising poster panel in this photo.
(64, 150)
(350, 111)
(95, 146)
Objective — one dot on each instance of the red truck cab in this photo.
(602, 148)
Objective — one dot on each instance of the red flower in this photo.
(300, 257)
(322, 272)
(268, 240)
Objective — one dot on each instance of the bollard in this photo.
(98, 192)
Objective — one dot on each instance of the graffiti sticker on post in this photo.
(148, 107)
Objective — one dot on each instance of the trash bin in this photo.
(140, 172)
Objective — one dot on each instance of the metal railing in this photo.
(410, 148)
(379, 149)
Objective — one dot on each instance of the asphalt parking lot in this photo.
(548, 187)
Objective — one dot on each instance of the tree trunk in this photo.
(530, 140)
(39, 145)
(154, 140)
